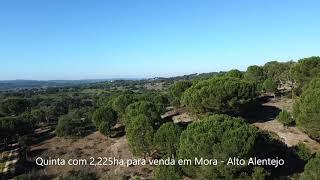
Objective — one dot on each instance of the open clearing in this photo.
(289, 135)
(95, 145)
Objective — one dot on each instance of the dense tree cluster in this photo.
(176, 91)
(219, 95)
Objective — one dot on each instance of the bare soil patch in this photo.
(95, 145)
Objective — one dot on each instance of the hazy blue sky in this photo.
(77, 39)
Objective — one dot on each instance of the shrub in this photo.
(303, 152)
(217, 137)
(79, 175)
(312, 170)
(167, 173)
(166, 139)
(306, 112)
(104, 119)
(69, 126)
(285, 118)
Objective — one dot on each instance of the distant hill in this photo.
(29, 84)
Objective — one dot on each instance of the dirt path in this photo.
(289, 135)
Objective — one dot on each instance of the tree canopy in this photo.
(176, 91)
(104, 119)
(219, 95)
(306, 112)
(312, 170)
(217, 137)
(167, 138)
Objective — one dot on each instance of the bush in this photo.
(167, 173)
(303, 152)
(219, 95)
(69, 126)
(285, 118)
(166, 139)
(139, 134)
(104, 119)
(79, 175)
(312, 170)
(306, 112)
(217, 137)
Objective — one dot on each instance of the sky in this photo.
(98, 39)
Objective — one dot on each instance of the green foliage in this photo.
(104, 119)
(270, 86)
(14, 106)
(235, 73)
(167, 138)
(305, 70)
(79, 175)
(69, 126)
(312, 170)
(11, 126)
(38, 115)
(259, 174)
(303, 152)
(167, 173)
(278, 71)
(306, 112)
(176, 91)
(314, 84)
(121, 102)
(255, 73)
(217, 137)
(285, 118)
(140, 134)
(146, 108)
(219, 95)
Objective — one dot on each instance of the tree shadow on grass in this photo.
(268, 147)
(257, 111)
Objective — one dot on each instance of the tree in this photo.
(121, 102)
(140, 134)
(219, 95)
(306, 112)
(104, 119)
(312, 170)
(270, 86)
(235, 73)
(38, 115)
(285, 118)
(255, 73)
(69, 126)
(176, 91)
(305, 70)
(15, 106)
(167, 138)
(167, 173)
(146, 108)
(278, 71)
(217, 137)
